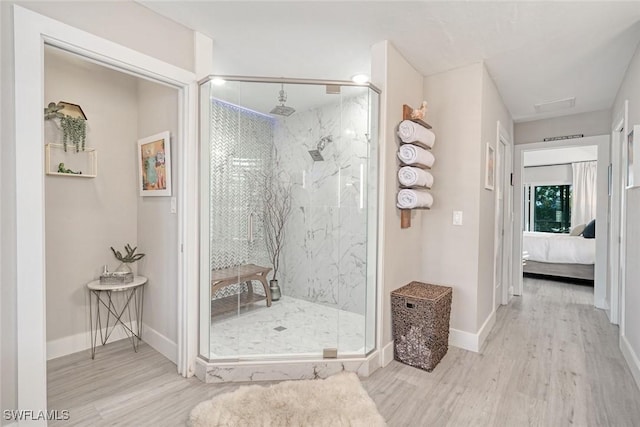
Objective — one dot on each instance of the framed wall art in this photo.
(490, 168)
(154, 165)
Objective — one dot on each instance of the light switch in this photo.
(457, 217)
(174, 205)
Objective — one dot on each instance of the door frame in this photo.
(31, 32)
(502, 232)
(617, 249)
(603, 143)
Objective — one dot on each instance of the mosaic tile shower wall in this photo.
(241, 148)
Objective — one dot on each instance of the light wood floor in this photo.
(551, 360)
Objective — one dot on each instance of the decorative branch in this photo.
(277, 208)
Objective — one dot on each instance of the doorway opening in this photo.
(561, 195)
(89, 209)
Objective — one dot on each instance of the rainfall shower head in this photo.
(282, 110)
(316, 154)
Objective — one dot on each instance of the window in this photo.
(548, 208)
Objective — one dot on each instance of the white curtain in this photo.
(583, 205)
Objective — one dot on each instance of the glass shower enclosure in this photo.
(288, 218)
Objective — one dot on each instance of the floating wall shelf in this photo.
(83, 161)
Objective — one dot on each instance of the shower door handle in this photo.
(361, 195)
(250, 228)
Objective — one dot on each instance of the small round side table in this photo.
(106, 295)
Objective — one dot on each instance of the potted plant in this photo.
(74, 130)
(130, 257)
(74, 127)
(277, 208)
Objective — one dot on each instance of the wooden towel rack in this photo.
(405, 214)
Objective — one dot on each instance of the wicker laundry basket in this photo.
(420, 316)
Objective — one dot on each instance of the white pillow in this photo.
(577, 230)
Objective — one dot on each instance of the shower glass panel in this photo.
(289, 187)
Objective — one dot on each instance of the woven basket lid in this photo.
(421, 290)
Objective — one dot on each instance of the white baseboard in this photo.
(631, 357)
(79, 342)
(486, 328)
(373, 362)
(82, 341)
(463, 339)
(386, 354)
(470, 341)
(160, 343)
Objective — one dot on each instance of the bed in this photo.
(560, 255)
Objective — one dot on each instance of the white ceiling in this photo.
(535, 51)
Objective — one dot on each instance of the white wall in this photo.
(586, 153)
(127, 23)
(630, 328)
(85, 216)
(551, 175)
(175, 46)
(588, 124)
(493, 110)
(451, 252)
(157, 227)
(400, 250)
(464, 107)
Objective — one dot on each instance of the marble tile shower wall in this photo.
(324, 257)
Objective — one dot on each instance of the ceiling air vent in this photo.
(560, 104)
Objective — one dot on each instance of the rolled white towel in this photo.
(414, 177)
(411, 199)
(412, 155)
(409, 131)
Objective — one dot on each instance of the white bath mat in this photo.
(339, 400)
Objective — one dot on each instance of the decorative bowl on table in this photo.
(116, 278)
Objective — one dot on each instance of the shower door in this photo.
(357, 220)
(309, 150)
(239, 159)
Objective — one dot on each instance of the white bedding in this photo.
(559, 248)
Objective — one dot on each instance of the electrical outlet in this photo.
(457, 217)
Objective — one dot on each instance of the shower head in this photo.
(282, 110)
(316, 154)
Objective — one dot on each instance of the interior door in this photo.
(499, 226)
(507, 223)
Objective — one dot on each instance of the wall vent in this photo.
(560, 104)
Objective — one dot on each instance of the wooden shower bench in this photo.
(241, 274)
